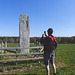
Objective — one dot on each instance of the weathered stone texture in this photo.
(24, 32)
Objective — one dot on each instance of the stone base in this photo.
(24, 51)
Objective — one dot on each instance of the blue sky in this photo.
(43, 14)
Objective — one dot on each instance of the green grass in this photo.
(65, 64)
(17, 44)
(12, 45)
(66, 56)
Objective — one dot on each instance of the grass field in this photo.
(65, 64)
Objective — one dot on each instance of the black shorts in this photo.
(49, 57)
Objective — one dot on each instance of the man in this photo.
(50, 44)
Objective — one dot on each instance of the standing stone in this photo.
(24, 33)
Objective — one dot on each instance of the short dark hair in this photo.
(50, 31)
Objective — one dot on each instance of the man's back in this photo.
(49, 42)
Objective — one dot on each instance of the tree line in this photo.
(60, 40)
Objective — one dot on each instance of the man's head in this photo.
(50, 31)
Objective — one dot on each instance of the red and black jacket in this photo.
(49, 42)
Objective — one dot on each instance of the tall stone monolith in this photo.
(24, 33)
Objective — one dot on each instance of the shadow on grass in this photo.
(30, 74)
(19, 62)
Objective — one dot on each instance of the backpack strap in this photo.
(53, 41)
(52, 37)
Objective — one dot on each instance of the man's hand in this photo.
(43, 35)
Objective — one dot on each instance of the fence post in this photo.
(2, 47)
(5, 47)
(16, 57)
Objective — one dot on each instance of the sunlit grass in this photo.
(65, 64)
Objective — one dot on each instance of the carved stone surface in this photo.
(24, 33)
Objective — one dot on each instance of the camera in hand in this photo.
(44, 32)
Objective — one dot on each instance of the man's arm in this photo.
(42, 39)
(55, 42)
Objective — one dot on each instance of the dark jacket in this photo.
(49, 42)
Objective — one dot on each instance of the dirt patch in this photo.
(5, 71)
(60, 64)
